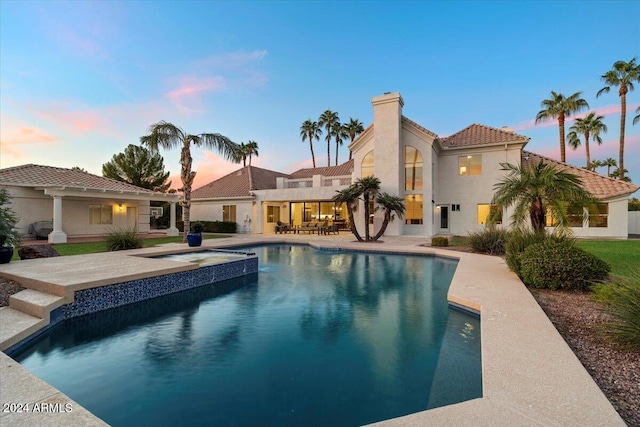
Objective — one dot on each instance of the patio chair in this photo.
(281, 227)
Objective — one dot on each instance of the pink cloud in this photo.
(13, 138)
(304, 164)
(78, 122)
(209, 167)
(189, 88)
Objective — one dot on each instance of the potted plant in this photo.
(194, 237)
(9, 236)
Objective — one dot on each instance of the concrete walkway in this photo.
(530, 376)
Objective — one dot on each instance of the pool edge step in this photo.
(16, 326)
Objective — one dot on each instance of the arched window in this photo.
(412, 169)
(367, 165)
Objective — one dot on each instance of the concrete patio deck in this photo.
(530, 375)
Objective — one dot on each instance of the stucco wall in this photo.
(212, 211)
(33, 205)
(618, 222)
(634, 222)
(469, 191)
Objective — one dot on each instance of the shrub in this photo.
(490, 240)
(197, 227)
(439, 241)
(8, 220)
(622, 301)
(212, 226)
(517, 242)
(555, 264)
(123, 239)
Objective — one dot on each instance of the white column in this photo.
(172, 231)
(57, 235)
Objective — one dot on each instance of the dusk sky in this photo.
(79, 81)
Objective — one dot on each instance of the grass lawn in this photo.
(622, 255)
(95, 247)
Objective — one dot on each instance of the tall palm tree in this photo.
(595, 164)
(591, 125)
(610, 163)
(559, 107)
(390, 204)
(350, 196)
(329, 120)
(252, 150)
(539, 190)
(623, 75)
(354, 128)
(241, 154)
(310, 130)
(339, 133)
(166, 135)
(636, 119)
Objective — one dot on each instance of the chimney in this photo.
(508, 129)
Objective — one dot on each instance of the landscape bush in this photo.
(622, 301)
(123, 239)
(440, 241)
(490, 240)
(555, 264)
(517, 242)
(213, 226)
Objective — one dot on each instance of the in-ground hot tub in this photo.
(206, 256)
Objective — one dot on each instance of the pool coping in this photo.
(530, 375)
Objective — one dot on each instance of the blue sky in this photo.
(82, 80)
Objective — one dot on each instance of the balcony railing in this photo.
(315, 181)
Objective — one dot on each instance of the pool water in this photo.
(315, 338)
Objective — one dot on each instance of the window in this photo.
(470, 165)
(412, 169)
(273, 213)
(455, 208)
(100, 214)
(229, 213)
(413, 209)
(599, 215)
(575, 215)
(486, 211)
(366, 169)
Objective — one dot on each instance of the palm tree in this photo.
(623, 74)
(369, 187)
(310, 130)
(354, 128)
(339, 133)
(616, 174)
(242, 154)
(539, 190)
(329, 120)
(390, 204)
(252, 150)
(166, 135)
(610, 163)
(636, 119)
(591, 125)
(558, 107)
(350, 196)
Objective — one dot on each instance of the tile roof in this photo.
(239, 183)
(481, 135)
(600, 186)
(411, 122)
(31, 175)
(344, 169)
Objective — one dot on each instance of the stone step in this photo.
(35, 303)
(16, 326)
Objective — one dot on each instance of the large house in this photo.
(71, 202)
(447, 182)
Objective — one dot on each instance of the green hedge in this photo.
(439, 241)
(560, 265)
(213, 226)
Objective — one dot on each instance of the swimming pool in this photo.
(316, 338)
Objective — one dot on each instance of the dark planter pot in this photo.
(6, 253)
(194, 239)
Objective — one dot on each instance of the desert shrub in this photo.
(212, 226)
(123, 239)
(622, 301)
(8, 220)
(439, 241)
(519, 240)
(555, 264)
(490, 240)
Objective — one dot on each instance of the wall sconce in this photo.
(120, 207)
